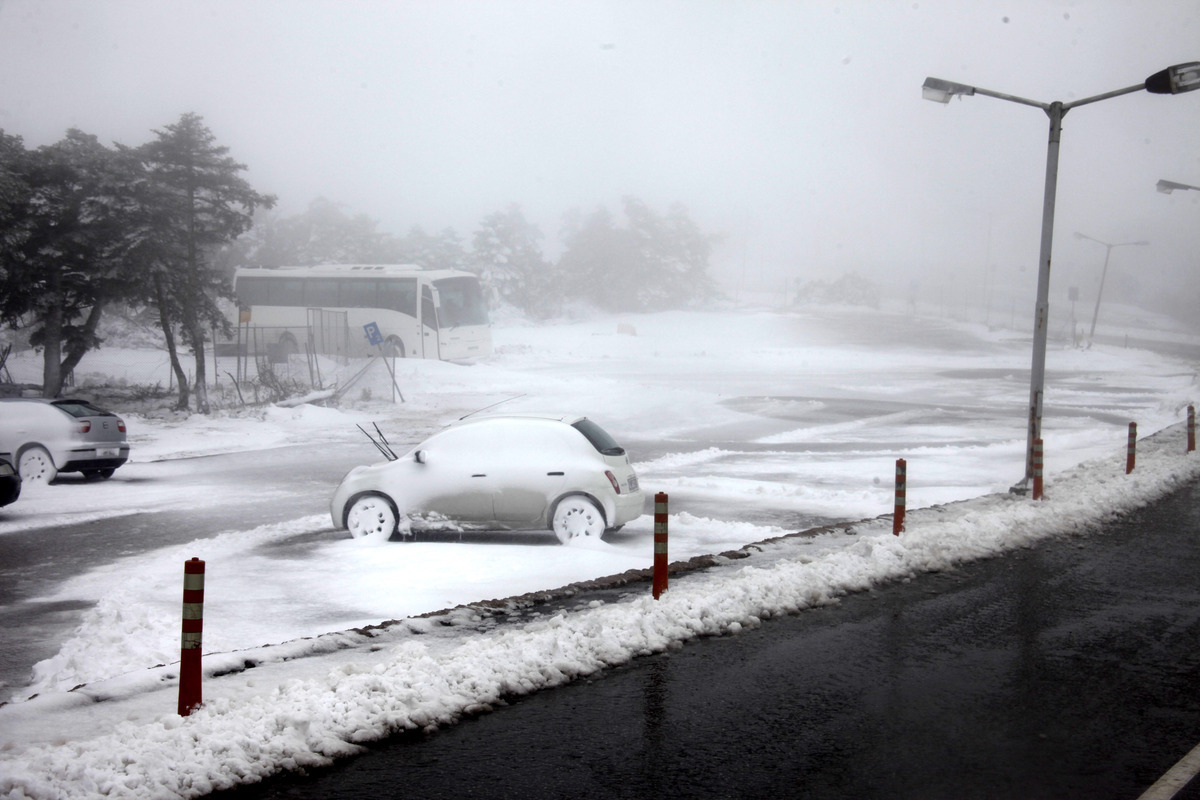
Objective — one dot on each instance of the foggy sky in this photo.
(796, 129)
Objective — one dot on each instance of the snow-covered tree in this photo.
(434, 251)
(323, 234)
(508, 258)
(72, 224)
(654, 263)
(202, 203)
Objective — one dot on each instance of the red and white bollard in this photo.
(660, 544)
(901, 492)
(193, 627)
(1037, 469)
(1131, 450)
(1191, 445)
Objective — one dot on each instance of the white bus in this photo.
(420, 313)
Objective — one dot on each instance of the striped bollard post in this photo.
(660, 544)
(1191, 429)
(1131, 450)
(1037, 469)
(193, 626)
(901, 492)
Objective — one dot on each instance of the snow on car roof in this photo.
(569, 419)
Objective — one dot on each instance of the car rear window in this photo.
(599, 438)
(81, 408)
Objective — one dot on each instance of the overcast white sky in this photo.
(795, 128)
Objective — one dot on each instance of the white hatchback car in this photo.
(47, 437)
(498, 472)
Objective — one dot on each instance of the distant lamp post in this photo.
(1166, 187)
(1173, 80)
(1108, 248)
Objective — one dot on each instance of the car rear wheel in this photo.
(372, 516)
(36, 466)
(577, 517)
(393, 347)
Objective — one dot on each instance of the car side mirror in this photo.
(420, 456)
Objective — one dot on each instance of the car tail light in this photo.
(613, 480)
(85, 426)
(121, 425)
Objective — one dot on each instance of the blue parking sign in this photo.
(373, 335)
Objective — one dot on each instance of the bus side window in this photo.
(252, 292)
(428, 313)
(321, 293)
(359, 293)
(399, 294)
(289, 292)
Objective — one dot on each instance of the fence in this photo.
(296, 355)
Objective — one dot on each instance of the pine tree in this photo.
(433, 251)
(203, 203)
(72, 224)
(509, 259)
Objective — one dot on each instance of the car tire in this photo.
(36, 466)
(372, 517)
(393, 347)
(577, 517)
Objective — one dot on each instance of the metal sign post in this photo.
(375, 339)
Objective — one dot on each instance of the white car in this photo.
(498, 472)
(47, 437)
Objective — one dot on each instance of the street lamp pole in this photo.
(1108, 248)
(1173, 80)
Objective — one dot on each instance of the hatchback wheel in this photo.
(576, 517)
(372, 516)
(36, 466)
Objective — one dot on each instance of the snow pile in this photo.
(428, 673)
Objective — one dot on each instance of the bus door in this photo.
(430, 340)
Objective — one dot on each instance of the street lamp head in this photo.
(1109, 245)
(940, 91)
(1175, 80)
(1166, 187)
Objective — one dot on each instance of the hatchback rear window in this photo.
(599, 438)
(81, 408)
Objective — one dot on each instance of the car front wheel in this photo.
(577, 517)
(372, 516)
(36, 466)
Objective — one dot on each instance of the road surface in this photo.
(1065, 670)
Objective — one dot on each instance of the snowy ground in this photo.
(754, 422)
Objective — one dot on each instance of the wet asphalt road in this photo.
(1069, 670)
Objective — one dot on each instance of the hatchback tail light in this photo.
(85, 426)
(121, 425)
(613, 480)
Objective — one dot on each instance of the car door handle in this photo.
(556, 473)
(479, 475)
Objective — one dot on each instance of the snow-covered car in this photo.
(10, 481)
(498, 472)
(47, 437)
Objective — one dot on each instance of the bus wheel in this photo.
(288, 345)
(393, 347)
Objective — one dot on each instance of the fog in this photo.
(796, 131)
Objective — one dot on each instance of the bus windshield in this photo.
(461, 302)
